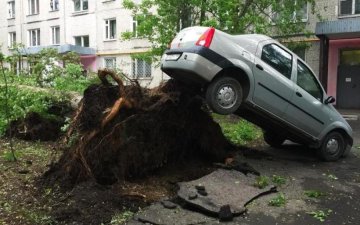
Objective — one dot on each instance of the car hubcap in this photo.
(332, 146)
(226, 97)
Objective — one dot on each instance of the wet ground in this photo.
(315, 192)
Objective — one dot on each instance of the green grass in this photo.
(10, 156)
(122, 217)
(320, 214)
(238, 131)
(278, 180)
(34, 157)
(262, 182)
(278, 201)
(314, 193)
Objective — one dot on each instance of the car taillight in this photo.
(206, 38)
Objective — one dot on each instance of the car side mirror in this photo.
(329, 100)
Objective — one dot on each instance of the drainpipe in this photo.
(64, 15)
(21, 22)
(324, 61)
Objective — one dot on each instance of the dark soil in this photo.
(121, 132)
(23, 201)
(91, 203)
(36, 127)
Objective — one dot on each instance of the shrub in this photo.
(67, 83)
(73, 70)
(23, 101)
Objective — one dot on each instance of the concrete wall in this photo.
(328, 10)
(312, 56)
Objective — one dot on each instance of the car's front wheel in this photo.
(273, 140)
(224, 95)
(333, 146)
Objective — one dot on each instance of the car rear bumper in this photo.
(190, 67)
(197, 64)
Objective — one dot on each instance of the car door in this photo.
(272, 71)
(306, 109)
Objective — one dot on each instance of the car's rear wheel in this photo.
(224, 95)
(273, 140)
(333, 146)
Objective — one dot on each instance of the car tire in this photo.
(332, 147)
(224, 95)
(273, 140)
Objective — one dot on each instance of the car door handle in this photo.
(298, 94)
(259, 67)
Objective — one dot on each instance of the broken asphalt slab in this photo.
(227, 194)
(222, 187)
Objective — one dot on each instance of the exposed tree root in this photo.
(122, 131)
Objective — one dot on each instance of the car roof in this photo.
(253, 37)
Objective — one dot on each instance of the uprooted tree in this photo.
(124, 131)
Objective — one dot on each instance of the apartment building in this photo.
(91, 28)
(339, 53)
(334, 49)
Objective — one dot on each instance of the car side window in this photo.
(307, 81)
(277, 58)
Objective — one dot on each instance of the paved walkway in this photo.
(339, 183)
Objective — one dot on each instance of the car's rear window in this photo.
(277, 58)
(188, 37)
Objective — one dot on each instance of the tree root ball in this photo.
(121, 132)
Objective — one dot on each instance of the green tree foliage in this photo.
(160, 20)
(45, 83)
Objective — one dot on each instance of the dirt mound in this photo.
(35, 127)
(126, 131)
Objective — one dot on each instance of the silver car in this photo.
(257, 78)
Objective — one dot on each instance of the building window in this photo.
(12, 39)
(110, 63)
(349, 7)
(136, 22)
(134, 27)
(141, 69)
(350, 57)
(110, 29)
(54, 5)
(81, 5)
(299, 15)
(302, 13)
(55, 35)
(11, 9)
(33, 7)
(34, 37)
(82, 41)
